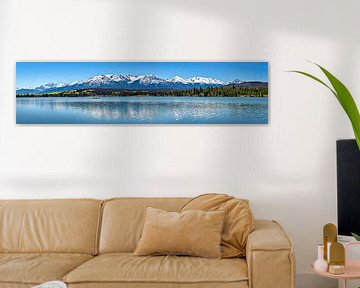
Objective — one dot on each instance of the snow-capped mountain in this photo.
(178, 79)
(204, 81)
(130, 82)
(100, 80)
(49, 86)
(40, 89)
(236, 81)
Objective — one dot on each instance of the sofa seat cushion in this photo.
(36, 268)
(125, 267)
(15, 285)
(242, 284)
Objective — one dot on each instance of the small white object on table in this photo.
(52, 284)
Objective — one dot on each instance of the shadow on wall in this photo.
(205, 31)
(197, 159)
(279, 167)
(187, 160)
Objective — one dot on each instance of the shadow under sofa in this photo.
(89, 243)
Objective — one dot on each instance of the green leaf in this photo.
(356, 236)
(314, 78)
(347, 102)
(357, 137)
(344, 97)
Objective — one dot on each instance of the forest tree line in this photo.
(225, 91)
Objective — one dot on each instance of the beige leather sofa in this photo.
(89, 243)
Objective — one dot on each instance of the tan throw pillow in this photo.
(239, 220)
(196, 233)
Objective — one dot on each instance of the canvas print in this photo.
(142, 93)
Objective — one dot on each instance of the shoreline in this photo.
(162, 96)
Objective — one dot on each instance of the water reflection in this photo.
(143, 110)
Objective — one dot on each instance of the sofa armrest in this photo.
(269, 256)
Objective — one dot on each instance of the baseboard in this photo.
(309, 280)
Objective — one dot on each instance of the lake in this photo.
(142, 110)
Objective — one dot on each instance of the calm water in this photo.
(142, 110)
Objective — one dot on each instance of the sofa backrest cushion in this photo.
(123, 220)
(64, 226)
(239, 220)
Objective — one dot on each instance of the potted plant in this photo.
(345, 99)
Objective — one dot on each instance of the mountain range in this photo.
(137, 82)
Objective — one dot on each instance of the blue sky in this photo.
(32, 74)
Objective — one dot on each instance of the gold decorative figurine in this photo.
(330, 236)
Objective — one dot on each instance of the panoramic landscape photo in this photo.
(142, 93)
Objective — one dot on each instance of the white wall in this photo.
(287, 168)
